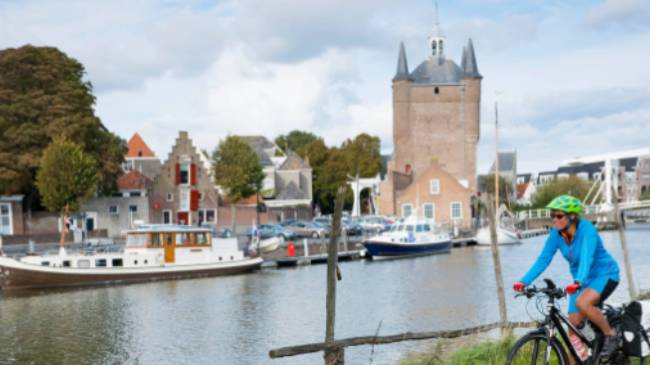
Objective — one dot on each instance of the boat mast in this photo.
(496, 162)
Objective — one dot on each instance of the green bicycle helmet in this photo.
(566, 203)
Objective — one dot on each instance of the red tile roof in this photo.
(137, 147)
(521, 189)
(133, 180)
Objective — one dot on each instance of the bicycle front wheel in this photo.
(531, 350)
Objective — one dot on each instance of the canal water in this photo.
(238, 319)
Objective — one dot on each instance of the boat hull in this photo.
(378, 249)
(504, 237)
(17, 275)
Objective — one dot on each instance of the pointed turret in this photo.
(469, 65)
(463, 60)
(402, 66)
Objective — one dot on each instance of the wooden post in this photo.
(496, 260)
(626, 254)
(64, 230)
(333, 356)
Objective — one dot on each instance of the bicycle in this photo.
(542, 344)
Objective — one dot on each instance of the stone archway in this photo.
(358, 185)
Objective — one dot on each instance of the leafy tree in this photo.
(43, 96)
(237, 170)
(572, 185)
(67, 177)
(486, 184)
(296, 141)
(363, 155)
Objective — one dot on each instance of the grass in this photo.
(483, 353)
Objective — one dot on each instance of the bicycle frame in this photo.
(553, 323)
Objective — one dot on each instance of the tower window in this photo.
(440, 46)
(436, 90)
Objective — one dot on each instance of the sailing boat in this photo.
(506, 232)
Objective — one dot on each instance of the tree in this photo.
(43, 96)
(363, 155)
(486, 184)
(67, 177)
(572, 185)
(237, 170)
(296, 141)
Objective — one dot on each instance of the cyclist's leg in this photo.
(589, 300)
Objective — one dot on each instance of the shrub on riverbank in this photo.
(483, 353)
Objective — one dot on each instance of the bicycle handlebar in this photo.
(551, 291)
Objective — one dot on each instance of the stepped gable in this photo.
(294, 162)
(138, 148)
(292, 192)
(134, 180)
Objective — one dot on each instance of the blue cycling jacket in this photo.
(586, 255)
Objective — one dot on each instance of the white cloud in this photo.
(625, 13)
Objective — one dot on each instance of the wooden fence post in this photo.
(626, 254)
(333, 356)
(496, 261)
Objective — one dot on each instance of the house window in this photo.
(133, 208)
(429, 210)
(407, 210)
(185, 173)
(456, 210)
(434, 186)
(207, 215)
(170, 197)
(185, 200)
(113, 210)
(6, 227)
(167, 216)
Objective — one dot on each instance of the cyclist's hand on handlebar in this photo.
(519, 287)
(573, 288)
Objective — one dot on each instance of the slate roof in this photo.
(292, 191)
(259, 144)
(137, 147)
(402, 72)
(437, 71)
(470, 68)
(294, 162)
(507, 162)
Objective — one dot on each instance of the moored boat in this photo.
(504, 236)
(409, 238)
(151, 252)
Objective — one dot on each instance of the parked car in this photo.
(352, 228)
(274, 230)
(307, 229)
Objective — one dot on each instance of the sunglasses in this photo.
(558, 216)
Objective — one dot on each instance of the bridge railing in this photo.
(534, 214)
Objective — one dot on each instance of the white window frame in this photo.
(133, 205)
(184, 200)
(186, 162)
(451, 210)
(171, 216)
(433, 211)
(11, 221)
(407, 205)
(117, 209)
(434, 183)
(170, 197)
(205, 211)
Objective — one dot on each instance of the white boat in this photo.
(269, 244)
(504, 236)
(152, 252)
(409, 238)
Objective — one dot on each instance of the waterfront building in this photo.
(436, 128)
(287, 187)
(11, 215)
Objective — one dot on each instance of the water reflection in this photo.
(237, 319)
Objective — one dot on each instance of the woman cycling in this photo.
(594, 271)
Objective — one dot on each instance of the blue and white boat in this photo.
(408, 238)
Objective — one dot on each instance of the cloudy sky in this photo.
(571, 77)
